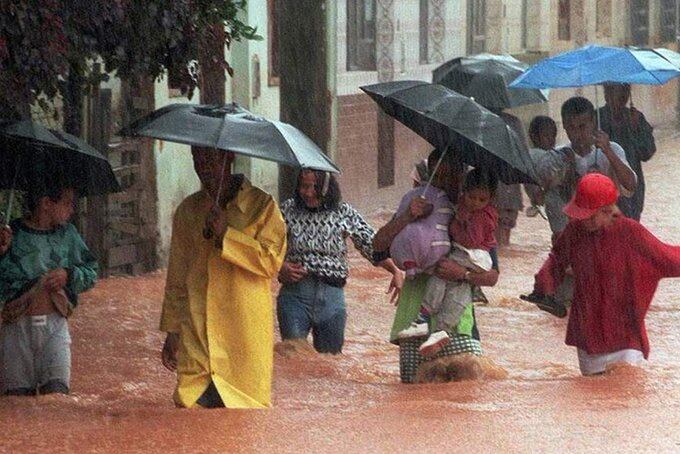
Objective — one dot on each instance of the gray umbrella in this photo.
(448, 119)
(232, 128)
(485, 77)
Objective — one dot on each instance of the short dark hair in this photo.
(539, 122)
(32, 198)
(576, 105)
(333, 197)
(479, 178)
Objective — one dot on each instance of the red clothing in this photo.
(616, 272)
(475, 229)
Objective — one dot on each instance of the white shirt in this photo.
(596, 161)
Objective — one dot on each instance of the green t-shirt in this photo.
(35, 252)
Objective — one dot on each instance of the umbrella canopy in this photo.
(31, 154)
(232, 128)
(448, 119)
(593, 64)
(485, 77)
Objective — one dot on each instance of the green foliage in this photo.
(43, 42)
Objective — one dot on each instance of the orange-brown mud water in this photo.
(121, 399)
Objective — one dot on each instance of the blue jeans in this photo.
(313, 305)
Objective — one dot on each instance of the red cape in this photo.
(616, 272)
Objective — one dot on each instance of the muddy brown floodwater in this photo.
(121, 399)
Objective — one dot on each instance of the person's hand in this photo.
(449, 270)
(215, 225)
(55, 280)
(419, 208)
(601, 141)
(169, 353)
(5, 239)
(292, 272)
(396, 284)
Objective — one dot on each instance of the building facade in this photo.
(307, 71)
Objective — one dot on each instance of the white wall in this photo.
(175, 176)
(263, 174)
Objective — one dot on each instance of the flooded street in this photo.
(121, 397)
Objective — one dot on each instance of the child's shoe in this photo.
(434, 343)
(414, 330)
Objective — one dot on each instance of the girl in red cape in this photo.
(617, 264)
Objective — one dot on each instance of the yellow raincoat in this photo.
(220, 301)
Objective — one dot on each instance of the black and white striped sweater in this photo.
(316, 238)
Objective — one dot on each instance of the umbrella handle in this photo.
(11, 192)
(219, 187)
(434, 172)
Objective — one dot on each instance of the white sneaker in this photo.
(434, 343)
(415, 330)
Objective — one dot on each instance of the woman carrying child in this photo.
(464, 337)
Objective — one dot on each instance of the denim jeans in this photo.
(311, 304)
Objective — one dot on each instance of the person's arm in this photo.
(642, 135)
(622, 171)
(360, 232)
(665, 258)
(451, 271)
(82, 269)
(176, 296)
(554, 269)
(418, 208)
(397, 281)
(552, 167)
(263, 253)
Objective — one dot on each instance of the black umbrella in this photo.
(32, 155)
(232, 128)
(485, 77)
(448, 119)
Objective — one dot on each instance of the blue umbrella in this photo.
(592, 64)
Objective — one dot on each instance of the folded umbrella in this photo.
(485, 77)
(232, 128)
(448, 119)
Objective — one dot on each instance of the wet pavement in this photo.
(121, 397)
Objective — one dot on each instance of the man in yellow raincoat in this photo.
(228, 240)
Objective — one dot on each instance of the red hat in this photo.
(593, 192)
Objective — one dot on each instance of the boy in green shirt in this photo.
(44, 265)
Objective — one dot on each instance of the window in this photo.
(476, 26)
(385, 150)
(424, 31)
(603, 13)
(667, 21)
(639, 22)
(361, 35)
(564, 21)
(273, 29)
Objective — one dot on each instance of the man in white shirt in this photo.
(589, 150)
